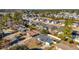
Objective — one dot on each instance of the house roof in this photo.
(33, 43)
(45, 38)
(33, 32)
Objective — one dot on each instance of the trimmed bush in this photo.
(71, 41)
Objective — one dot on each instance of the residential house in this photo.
(32, 33)
(45, 39)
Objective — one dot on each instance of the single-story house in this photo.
(32, 33)
(45, 39)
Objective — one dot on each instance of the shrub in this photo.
(71, 41)
(45, 31)
(65, 39)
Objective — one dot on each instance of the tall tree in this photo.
(17, 17)
(68, 28)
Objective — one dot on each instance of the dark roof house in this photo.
(44, 38)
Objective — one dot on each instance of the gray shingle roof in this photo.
(45, 38)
